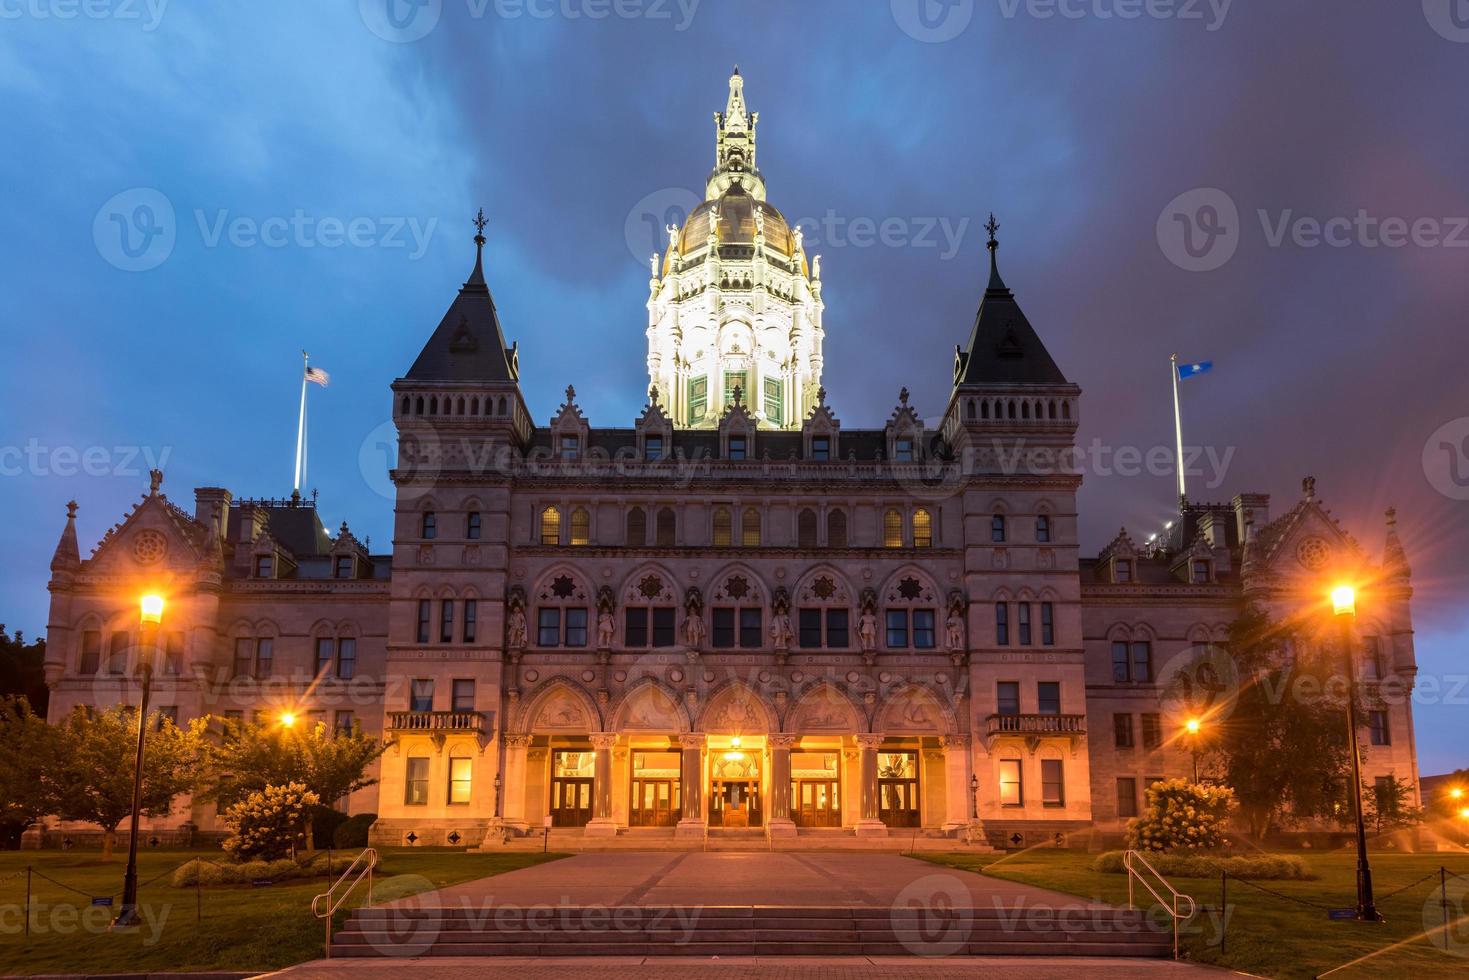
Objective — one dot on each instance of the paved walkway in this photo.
(741, 878)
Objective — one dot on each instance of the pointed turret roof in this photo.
(68, 554)
(1003, 347)
(468, 344)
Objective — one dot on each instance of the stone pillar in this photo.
(513, 785)
(781, 824)
(602, 824)
(691, 784)
(958, 807)
(868, 824)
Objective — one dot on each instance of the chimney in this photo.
(1259, 503)
(212, 508)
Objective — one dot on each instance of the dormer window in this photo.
(903, 450)
(1199, 571)
(344, 567)
(652, 448)
(430, 526)
(265, 566)
(821, 448)
(736, 447)
(570, 447)
(1122, 570)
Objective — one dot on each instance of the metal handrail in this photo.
(1128, 860)
(362, 865)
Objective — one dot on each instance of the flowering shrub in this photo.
(1198, 864)
(1181, 815)
(268, 823)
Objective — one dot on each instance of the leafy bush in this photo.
(1181, 815)
(206, 873)
(1279, 867)
(324, 824)
(352, 832)
(269, 822)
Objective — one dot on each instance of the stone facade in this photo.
(679, 629)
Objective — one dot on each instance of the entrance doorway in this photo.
(572, 772)
(815, 789)
(735, 803)
(897, 788)
(655, 789)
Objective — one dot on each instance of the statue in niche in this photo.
(606, 628)
(867, 631)
(515, 631)
(781, 633)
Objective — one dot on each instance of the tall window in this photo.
(806, 528)
(997, 528)
(346, 658)
(1048, 624)
(1122, 731)
(917, 624)
(737, 626)
(698, 398)
(723, 527)
(1053, 783)
(562, 627)
(91, 651)
(892, 529)
(1126, 796)
(1007, 697)
(581, 526)
(471, 619)
(737, 447)
(733, 380)
(343, 723)
(1373, 665)
(1024, 622)
(1132, 662)
(551, 526)
(1042, 529)
(774, 401)
(637, 528)
(648, 626)
(1011, 793)
(836, 529)
(473, 525)
(415, 781)
(173, 653)
(1048, 697)
(1002, 624)
(446, 621)
(653, 447)
(430, 525)
(1152, 725)
(461, 775)
(254, 657)
(750, 528)
(425, 615)
(922, 529)
(666, 527)
(837, 628)
(421, 694)
(463, 695)
(821, 448)
(325, 653)
(1377, 725)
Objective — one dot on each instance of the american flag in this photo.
(317, 376)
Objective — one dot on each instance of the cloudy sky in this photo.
(193, 197)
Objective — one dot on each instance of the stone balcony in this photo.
(439, 725)
(1034, 728)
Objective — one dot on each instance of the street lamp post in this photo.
(973, 796)
(1344, 605)
(151, 617)
(1192, 727)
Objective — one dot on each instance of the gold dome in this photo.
(736, 225)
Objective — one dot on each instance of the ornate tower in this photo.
(733, 302)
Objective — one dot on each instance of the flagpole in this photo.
(301, 424)
(1177, 430)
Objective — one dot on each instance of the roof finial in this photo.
(155, 481)
(1392, 518)
(1308, 488)
(479, 227)
(477, 277)
(71, 510)
(903, 395)
(993, 245)
(992, 226)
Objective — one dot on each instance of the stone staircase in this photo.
(749, 931)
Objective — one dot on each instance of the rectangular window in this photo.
(1152, 725)
(446, 621)
(1043, 529)
(736, 447)
(724, 629)
(836, 629)
(733, 380)
(415, 782)
(1048, 697)
(473, 525)
(346, 658)
(1373, 667)
(1122, 571)
(1053, 783)
(263, 566)
(664, 631)
(244, 656)
(463, 691)
(1378, 726)
(698, 398)
(1011, 793)
(344, 566)
(570, 447)
(342, 723)
(424, 615)
(1121, 668)
(1200, 572)
(774, 401)
(264, 658)
(1023, 609)
(652, 447)
(173, 653)
(821, 448)
(324, 652)
(1126, 797)
(91, 651)
(421, 694)
(635, 626)
(1048, 624)
(923, 630)
(548, 627)
(1142, 662)
(897, 620)
(461, 770)
(430, 525)
(637, 621)
(810, 628)
(576, 627)
(1122, 731)
(471, 619)
(1002, 624)
(1007, 697)
(903, 450)
(750, 633)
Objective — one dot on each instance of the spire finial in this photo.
(993, 245)
(477, 277)
(1308, 488)
(992, 226)
(903, 395)
(479, 227)
(570, 394)
(1392, 518)
(71, 510)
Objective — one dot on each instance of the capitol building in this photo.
(733, 614)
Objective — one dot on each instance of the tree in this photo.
(1181, 815)
(21, 670)
(1283, 739)
(93, 771)
(268, 823)
(1389, 806)
(27, 759)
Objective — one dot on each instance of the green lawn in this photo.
(241, 927)
(1275, 937)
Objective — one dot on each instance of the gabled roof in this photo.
(1003, 347)
(468, 344)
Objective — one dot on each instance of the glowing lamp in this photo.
(287, 719)
(1192, 726)
(1464, 813)
(1344, 600)
(151, 609)
(1457, 793)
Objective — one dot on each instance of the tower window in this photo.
(997, 529)
(430, 525)
(922, 529)
(637, 528)
(698, 398)
(750, 528)
(472, 526)
(892, 529)
(666, 528)
(774, 401)
(836, 529)
(551, 526)
(1042, 529)
(581, 526)
(723, 527)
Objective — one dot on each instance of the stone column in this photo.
(957, 805)
(781, 824)
(868, 824)
(602, 824)
(691, 784)
(513, 785)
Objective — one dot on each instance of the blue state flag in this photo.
(1197, 367)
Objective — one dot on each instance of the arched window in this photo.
(997, 528)
(1066, 410)
(666, 528)
(418, 409)
(836, 529)
(984, 409)
(892, 529)
(922, 529)
(806, 529)
(581, 526)
(405, 406)
(430, 527)
(750, 528)
(969, 409)
(1042, 528)
(723, 527)
(551, 526)
(637, 528)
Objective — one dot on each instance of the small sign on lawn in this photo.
(261, 882)
(102, 901)
(1335, 914)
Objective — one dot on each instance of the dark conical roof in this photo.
(468, 344)
(1003, 347)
